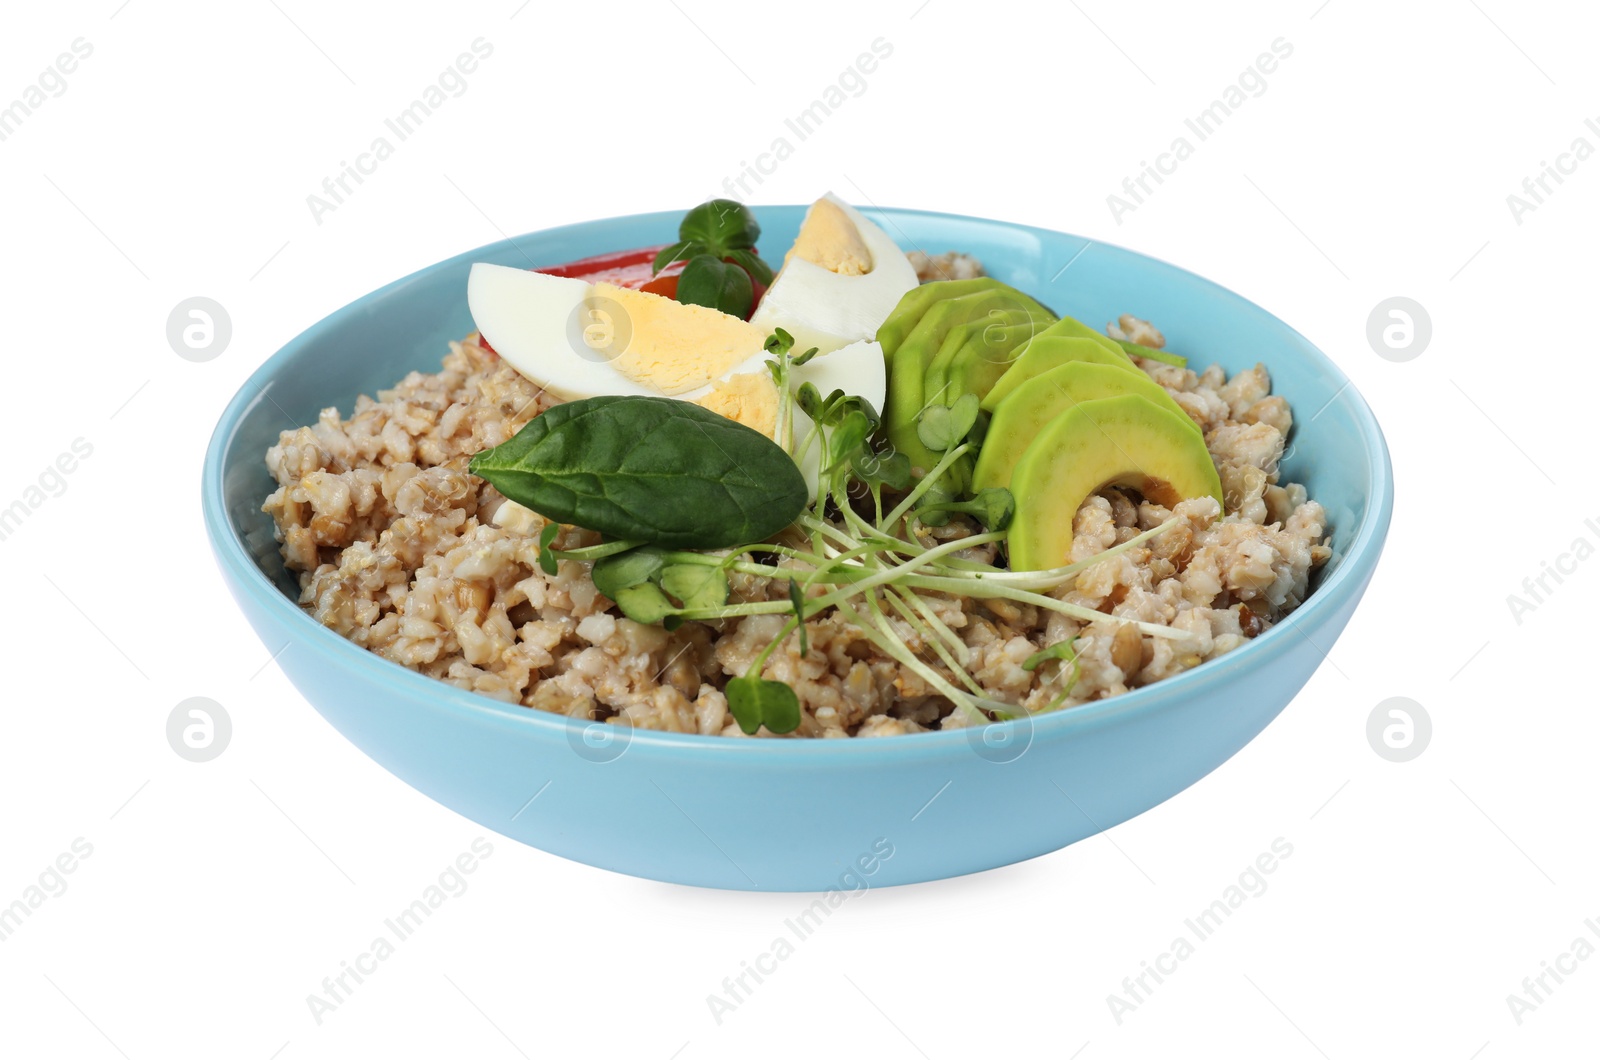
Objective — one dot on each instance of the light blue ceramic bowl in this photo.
(796, 814)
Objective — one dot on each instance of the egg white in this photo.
(826, 310)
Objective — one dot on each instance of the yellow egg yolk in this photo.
(750, 398)
(668, 346)
(829, 239)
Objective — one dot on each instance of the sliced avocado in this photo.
(1116, 441)
(1067, 327)
(1044, 352)
(1032, 407)
(978, 366)
(916, 351)
(993, 341)
(916, 301)
(1137, 381)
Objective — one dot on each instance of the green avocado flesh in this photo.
(920, 346)
(1044, 352)
(1075, 351)
(1067, 327)
(976, 367)
(994, 343)
(1031, 408)
(1071, 413)
(1113, 441)
(915, 302)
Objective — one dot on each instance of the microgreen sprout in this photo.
(943, 427)
(1134, 349)
(797, 598)
(755, 702)
(547, 537)
(779, 344)
(993, 507)
(1064, 652)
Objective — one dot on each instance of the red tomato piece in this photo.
(584, 268)
(665, 285)
(632, 268)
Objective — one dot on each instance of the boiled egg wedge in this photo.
(581, 339)
(578, 340)
(839, 281)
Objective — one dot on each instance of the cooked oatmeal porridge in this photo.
(398, 547)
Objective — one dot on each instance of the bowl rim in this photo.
(1348, 579)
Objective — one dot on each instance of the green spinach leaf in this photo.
(649, 469)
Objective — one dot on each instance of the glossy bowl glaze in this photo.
(798, 814)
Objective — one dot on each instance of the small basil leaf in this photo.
(547, 537)
(649, 469)
(644, 603)
(700, 586)
(712, 282)
(721, 224)
(682, 250)
(759, 270)
(755, 702)
(612, 574)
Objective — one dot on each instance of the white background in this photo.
(1377, 163)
